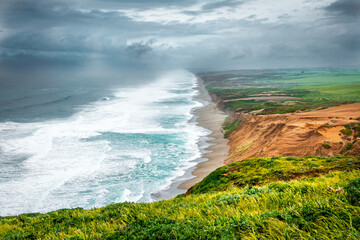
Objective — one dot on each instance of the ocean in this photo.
(89, 147)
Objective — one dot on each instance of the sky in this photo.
(101, 35)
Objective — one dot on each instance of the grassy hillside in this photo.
(308, 88)
(270, 198)
(260, 171)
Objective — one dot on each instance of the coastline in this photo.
(209, 117)
(213, 155)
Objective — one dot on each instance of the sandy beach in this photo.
(211, 118)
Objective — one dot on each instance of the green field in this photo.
(267, 198)
(313, 88)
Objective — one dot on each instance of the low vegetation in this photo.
(350, 134)
(264, 198)
(326, 145)
(230, 125)
(309, 89)
(260, 171)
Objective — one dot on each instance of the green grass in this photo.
(276, 107)
(265, 170)
(230, 126)
(315, 89)
(272, 208)
(316, 78)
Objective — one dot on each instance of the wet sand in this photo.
(211, 118)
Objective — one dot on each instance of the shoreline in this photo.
(211, 118)
(212, 157)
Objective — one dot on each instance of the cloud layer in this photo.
(200, 35)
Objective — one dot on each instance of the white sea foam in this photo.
(93, 158)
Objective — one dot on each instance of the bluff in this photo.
(328, 132)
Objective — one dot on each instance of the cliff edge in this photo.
(326, 132)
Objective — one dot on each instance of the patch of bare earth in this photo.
(294, 134)
(264, 98)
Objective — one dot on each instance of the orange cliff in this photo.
(295, 134)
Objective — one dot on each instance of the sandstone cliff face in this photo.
(297, 134)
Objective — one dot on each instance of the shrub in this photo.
(313, 165)
(279, 186)
(349, 146)
(326, 145)
(353, 191)
(346, 131)
(229, 199)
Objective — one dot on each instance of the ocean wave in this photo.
(137, 140)
(46, 103)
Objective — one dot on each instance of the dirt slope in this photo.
(296, 134)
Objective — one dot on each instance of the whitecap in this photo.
(112, 144)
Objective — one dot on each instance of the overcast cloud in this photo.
(198, 35)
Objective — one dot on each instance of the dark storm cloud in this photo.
(220, 4)
(144, 4)
(350, 42)
(213, 6)
(345, 7)
(41, 14)
(191, 34)
(44, 29)
(139, 49)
